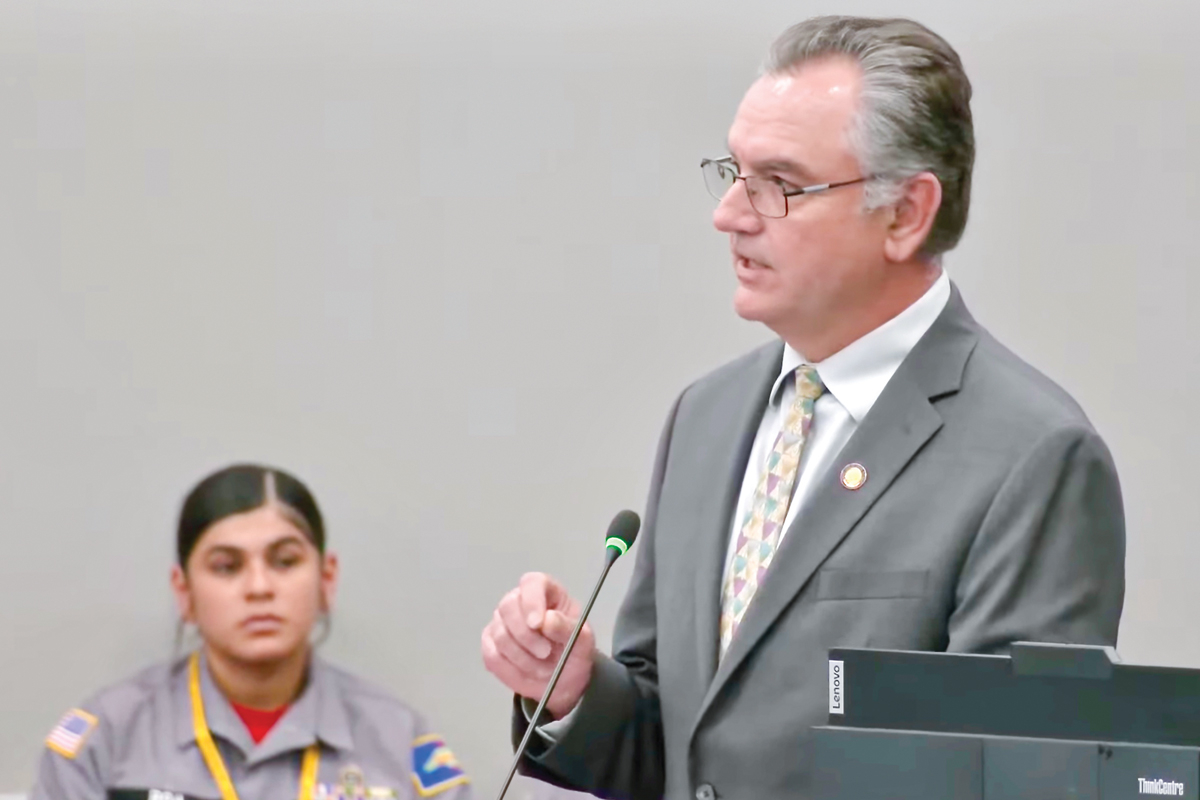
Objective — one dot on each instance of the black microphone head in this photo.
(622, 532)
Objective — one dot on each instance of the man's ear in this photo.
(912, 217)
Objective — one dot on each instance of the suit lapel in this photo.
(902, 420)
(734, 425)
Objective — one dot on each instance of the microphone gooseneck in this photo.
(622, 532)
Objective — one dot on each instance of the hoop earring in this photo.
(325, 625)
(181, 635)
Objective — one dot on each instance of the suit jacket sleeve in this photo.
(613, 746)
(1047, 563)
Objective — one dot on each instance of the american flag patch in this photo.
(72, 731)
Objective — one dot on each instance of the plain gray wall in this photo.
(451, 262)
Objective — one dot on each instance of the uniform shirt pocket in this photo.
(845, 584)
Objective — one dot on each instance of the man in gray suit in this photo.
(887, 475)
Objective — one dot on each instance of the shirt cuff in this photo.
(550, 732)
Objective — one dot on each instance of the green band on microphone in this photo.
(617, 542)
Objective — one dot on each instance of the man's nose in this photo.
(734, 214)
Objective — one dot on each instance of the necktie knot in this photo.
(808, 383)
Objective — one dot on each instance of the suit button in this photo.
(706, 792)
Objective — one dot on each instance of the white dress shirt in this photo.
(854, 377)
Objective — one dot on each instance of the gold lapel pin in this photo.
(854, 475)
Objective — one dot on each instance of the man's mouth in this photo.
(744, 264)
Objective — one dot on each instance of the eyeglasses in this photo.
(767, 195)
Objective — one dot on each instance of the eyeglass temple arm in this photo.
(820, 187)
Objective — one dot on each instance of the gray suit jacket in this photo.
(991, 514)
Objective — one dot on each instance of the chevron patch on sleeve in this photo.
(434, 767)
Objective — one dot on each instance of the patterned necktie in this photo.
(764, 520)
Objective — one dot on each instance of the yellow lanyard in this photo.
(212, 756)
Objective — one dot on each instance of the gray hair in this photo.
(916, 109)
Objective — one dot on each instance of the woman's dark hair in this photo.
(241, 488)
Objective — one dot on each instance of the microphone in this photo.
(622, 532)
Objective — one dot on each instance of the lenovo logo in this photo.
(837, 688)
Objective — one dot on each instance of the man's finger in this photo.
(508, 649)
(487, 646)
(538, 592)
(512, 618)
(503, 669)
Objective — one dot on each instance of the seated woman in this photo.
(253, 713)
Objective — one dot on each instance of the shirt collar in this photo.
(223, 721)
(319, 713)
(857, 374)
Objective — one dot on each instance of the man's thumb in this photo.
(557, 626)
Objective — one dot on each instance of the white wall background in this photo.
(451, 262)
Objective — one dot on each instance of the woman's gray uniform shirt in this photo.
(137, 740)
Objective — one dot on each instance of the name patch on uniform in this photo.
(68, 737)
(434, 768)
(145, 794)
